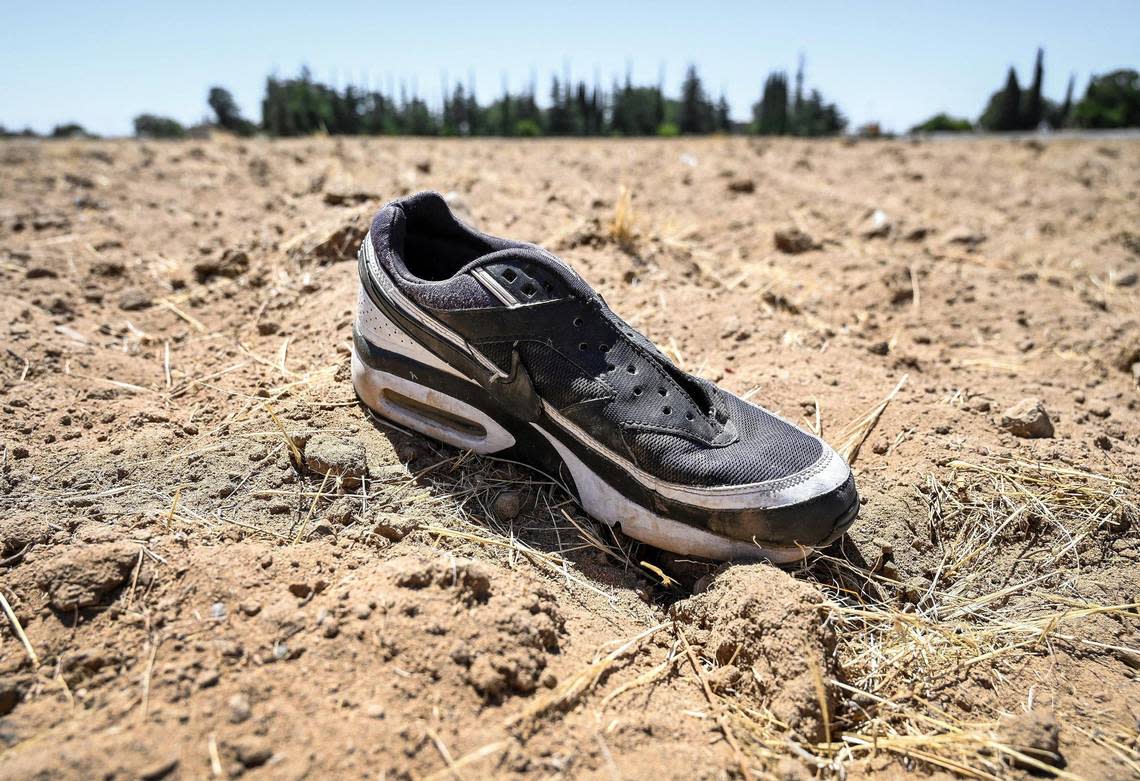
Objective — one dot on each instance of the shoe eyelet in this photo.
(529, 290)
(688, 416)
(583, 346)
(666, 410)
(605, 348)
(637, 391)
(631, 369)
(577, 322)
(510, 275)
(610, 367)
(663, 392)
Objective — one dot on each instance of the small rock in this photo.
(964, 236)
(300, 590)
(134, 299)
(159, 767)
(233, 263)
(374, 710)
(1127, 279)
(1100, 409)
(1035, 734)
(349, 198)
(1103, 442)
(423, 166)
(508, 504)
(741, 186)
(249, 608)
(239, 709)
(881, 347)
(1028, 419)
(344, 459)
(252, 751)
(81, 576)
(794, 241)
(877, 225)
(393, 526)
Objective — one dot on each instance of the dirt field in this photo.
(203, 597)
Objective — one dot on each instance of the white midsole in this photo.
(599, 499)
(829, 472)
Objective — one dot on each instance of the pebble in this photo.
(877, 225)
(1028, 419)
(508, 504)
(133, 299)
(793, 241)
(239, 709)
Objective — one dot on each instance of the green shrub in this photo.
(152, 126)
(944, 123)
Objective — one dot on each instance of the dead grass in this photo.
(904, 646)
(621, 229)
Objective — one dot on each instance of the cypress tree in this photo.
(1009, 104)
(1034, 110)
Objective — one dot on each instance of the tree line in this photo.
(1111, 100)
(301, 106)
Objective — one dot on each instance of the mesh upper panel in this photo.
(768, 449)
(556, 379)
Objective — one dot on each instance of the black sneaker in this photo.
(499, 347)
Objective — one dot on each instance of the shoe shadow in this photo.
(510, 510)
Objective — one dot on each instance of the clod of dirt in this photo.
(232, 263)
(81, 576)
(1029, 419)
(794, 241)
(134, 299)
(765, 622)
(19, 531)
(342, 243)
(471, 579)
(252, 751)
(1035, 734)
(333, 198)
(394, 526)
(11, 690)
(501, 637)
(344, 459)
(741, 186)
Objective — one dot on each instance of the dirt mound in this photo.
(768, 633)
(498, 643)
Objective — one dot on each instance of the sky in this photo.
(897, 63)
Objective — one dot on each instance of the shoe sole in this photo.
(446, 407)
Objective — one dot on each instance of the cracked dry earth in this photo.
(222, 567)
